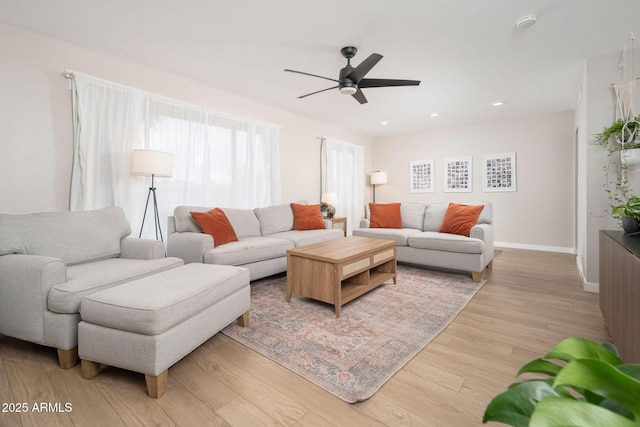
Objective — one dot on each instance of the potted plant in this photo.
(630, 214)
(591, 386)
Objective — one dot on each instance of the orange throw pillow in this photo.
(385, 215)
(460, 219)
(216, 224)
(307, 217)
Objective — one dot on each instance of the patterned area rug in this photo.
(376, 335)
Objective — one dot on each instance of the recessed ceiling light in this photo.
(433, 115)
(527, 21)
(384, 123)
(498, 103)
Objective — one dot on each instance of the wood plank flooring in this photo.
(531, 301)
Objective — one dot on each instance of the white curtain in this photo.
(343, 173)
(219, 160)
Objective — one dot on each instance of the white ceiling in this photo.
(467, 53)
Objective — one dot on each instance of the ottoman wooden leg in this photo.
(476, 276)
(89, 369)
(67, 359)
(244, 319)
(156, 386)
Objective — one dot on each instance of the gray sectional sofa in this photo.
(49, 262)
(264, 235)
(420, 242)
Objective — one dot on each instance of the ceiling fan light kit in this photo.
(351, 79)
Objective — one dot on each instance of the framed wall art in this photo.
(421, 176)
(458, 174)
(499, 172)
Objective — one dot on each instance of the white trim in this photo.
(559, 249)
(587, 286)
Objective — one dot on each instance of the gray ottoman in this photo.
(149, 324)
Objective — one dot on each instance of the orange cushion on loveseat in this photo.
(460, 219)
(385, 215)
(216, 224)
(307, 217)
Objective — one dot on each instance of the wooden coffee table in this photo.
(340, 270)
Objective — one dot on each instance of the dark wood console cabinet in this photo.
(620, 291)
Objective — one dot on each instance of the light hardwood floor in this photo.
(531, 301)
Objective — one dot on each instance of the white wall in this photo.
(539, 215)
(35, 119)
(596, 110)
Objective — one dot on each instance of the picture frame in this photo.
(458, 174)
(421, 176)
(499, 172)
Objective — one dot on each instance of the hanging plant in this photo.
(630, 139)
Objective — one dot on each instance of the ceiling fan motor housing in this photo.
(346, 85)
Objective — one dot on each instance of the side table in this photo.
(339, 222)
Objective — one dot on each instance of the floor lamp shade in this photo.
(152, 162)
(378, 177)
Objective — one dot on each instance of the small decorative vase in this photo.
(630, 225)
(324, 214)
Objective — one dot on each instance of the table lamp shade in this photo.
(152, 162)
(378, 177)
(329, 198)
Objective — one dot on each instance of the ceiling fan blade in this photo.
(318, 91)
(363, 68)
(359, 96)
(364, 83)
(312, 75)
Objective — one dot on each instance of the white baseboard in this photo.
(559, 249)
(587, 286)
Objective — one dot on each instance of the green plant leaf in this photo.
(560, 411)
(631, 369)
(580, 348)
(514, 406)
(540, 366)
(603, 379)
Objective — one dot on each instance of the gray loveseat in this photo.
(264, 235)
(50, 261)
(420, 242)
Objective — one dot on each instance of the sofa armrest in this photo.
(189, 246)
(132, 248)
(484, 232)
(327, 224)
(365, 223)
(24, 287)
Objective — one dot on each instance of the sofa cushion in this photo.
(244, 221)
(247, 250)
(385, 215)
(399, 235)
(307, 217)
(85, 279)
(74, 237)
(446, 242)
(435, 212)
(274, 219)
(309, 237)
(154, 305)
(216, 224)
(413, 215)
(459, 219)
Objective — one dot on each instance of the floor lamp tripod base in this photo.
(156, 216)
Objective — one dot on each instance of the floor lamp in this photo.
(154, 164)
(377, 178)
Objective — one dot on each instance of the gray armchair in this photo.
(50, 261)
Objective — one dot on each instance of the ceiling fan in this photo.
(352, 80)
